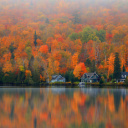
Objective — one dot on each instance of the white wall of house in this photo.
(53, 81)
(58, 80)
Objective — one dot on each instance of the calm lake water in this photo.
(63, 108)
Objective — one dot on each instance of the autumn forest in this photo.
(40, 38)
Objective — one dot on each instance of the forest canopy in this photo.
(40, 38)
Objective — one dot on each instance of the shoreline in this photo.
(71, 85)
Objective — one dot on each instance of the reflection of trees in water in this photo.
(35, 122)
(117, 98)
(71, 107)
(69, 93)
(91, 101)
(102, 125)
(12, 110)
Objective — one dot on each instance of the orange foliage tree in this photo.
(111, 64)
(7, 67)
(79, 70)
(43, 49)
(74, 60)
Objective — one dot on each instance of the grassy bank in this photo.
(68, 84)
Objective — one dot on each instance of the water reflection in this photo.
(63, 107)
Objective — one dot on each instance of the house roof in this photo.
(89, 75)
(61, 78)
(124, 73)
(54, 77)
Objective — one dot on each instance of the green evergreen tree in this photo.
(36, 75)
(88, 63)
(35, 38)
(21, 77)
(69, 76)
(76, 19)
(117, 67)
(123, 70)
(47, 21)
(1, 75)
(93, 66)
(11, 49)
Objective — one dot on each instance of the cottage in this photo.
(90, 77)
(57, 78)
(123, 76)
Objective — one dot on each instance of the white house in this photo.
(57, 78)
(123, 76)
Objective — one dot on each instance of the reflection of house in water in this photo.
(96, 91)
(91, 91)
(123, 93)
(56, 90)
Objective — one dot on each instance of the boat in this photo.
(81, 84)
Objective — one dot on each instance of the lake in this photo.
(63, 108)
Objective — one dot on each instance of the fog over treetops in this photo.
(97, 10)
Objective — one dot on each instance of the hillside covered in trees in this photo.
(40, 38)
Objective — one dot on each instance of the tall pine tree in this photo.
(123, 70)
(35, 38)
(93, 66)
(117, 67)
